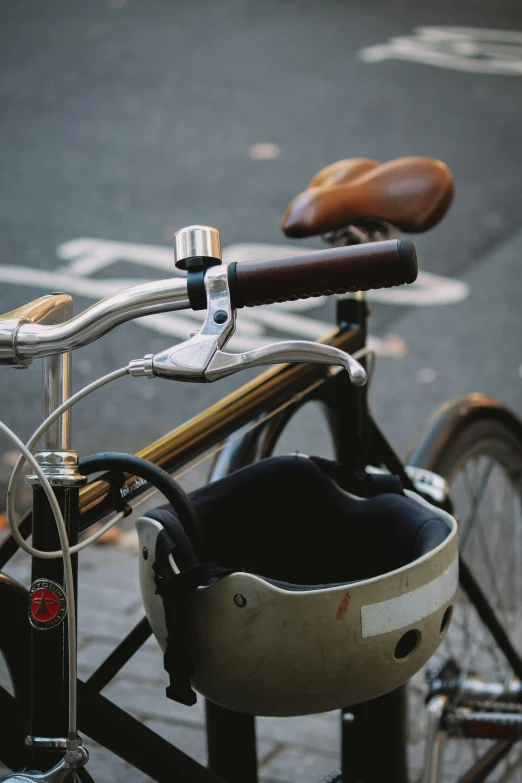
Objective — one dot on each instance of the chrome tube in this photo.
(34, 340)
(35, 312)
(435, 739)
(57, 386)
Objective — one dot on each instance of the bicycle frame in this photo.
(257, 413)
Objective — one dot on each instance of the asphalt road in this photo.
(124, 120)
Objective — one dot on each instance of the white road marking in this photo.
(56, 281)
(428, 290)
(471, 49)
(90, 255)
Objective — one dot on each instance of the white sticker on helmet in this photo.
(396, 613)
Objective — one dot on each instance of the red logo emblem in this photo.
(47, 604)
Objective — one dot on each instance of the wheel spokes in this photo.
(490, 533)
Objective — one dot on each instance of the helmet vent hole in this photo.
(407, 644)
(446, 620)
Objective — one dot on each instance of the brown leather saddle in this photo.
(412, 194)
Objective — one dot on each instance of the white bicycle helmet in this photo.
(307, 598)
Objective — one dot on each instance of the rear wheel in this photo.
(481, 458)
(477, 446)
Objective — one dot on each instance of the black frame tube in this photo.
(49, 647)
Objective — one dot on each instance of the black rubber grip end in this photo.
(235, 293)
(407, 260)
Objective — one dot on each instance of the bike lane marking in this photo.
(471, 49)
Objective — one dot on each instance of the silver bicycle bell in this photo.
(197, 245)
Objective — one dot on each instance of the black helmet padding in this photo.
(284, 519)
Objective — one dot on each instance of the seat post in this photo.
(352, 314)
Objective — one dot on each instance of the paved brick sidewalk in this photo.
(291, 750)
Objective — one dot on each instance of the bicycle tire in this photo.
(469, 439)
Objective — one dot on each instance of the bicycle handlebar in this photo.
(323, 272)
(316, 273)
(22, 340)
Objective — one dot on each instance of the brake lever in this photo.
(286, 351)
(201, 359)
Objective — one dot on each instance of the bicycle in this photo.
(242, 429)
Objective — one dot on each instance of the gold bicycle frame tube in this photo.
(198, 435)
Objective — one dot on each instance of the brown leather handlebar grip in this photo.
(323, 272)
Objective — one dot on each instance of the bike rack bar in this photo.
(120, 655)
(231, 744)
